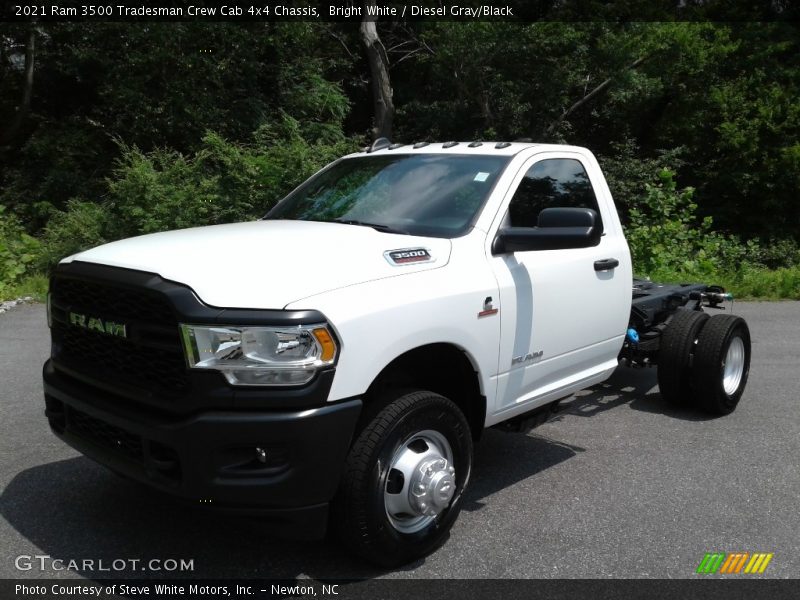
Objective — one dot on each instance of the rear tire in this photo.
(721, 364)
(419, 442)
(675, 356)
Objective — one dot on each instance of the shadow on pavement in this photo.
(75, 509)
(638, 388)
(503, 459)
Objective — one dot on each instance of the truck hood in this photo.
(267, 264)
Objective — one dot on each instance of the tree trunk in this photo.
(379, 69)
(27, 91)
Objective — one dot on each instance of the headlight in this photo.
(260, 355)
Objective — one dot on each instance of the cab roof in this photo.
(382, 146)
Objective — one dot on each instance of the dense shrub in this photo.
(222, 182)
(666, 235)
(778, 254)
(670, 243)
(82, 225)
(18, 252)
(628, 172)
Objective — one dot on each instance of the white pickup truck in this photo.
(336, 360)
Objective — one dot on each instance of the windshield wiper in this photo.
(376, 226)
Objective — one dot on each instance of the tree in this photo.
(587, 97)
(383, 104)
(7, 136)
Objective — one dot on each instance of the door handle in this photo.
(606, 264)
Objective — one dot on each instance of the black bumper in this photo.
(210, 458)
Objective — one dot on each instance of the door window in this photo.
(551, 183)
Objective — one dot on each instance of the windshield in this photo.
(434, 195)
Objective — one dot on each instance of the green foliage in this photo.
(665, 234)
(777, 253)
(34, 286)
(165, 189)
(82, 225)
(154, 86)
(118, 139)
(222, 182)
(764, 284)
(491, 80)
(725, 93)
(58, 159)
(670, 243)
(18, 252)
(628, 173)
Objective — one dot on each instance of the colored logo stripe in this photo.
(711, 562)
(734, 562)
(759, 562)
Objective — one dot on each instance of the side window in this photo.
(551, 183)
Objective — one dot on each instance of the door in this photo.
(564, 312)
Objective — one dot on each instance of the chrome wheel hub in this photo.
(432, 487)
(733, 366)
(421, 481)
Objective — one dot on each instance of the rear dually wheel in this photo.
(721, 364)
(675, 356)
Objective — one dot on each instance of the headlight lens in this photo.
(260, 355)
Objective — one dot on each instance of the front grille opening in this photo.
(105, 435)
(118, 360)
(150, 358)
(156, 459)
(103, 299)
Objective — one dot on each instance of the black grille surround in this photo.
(148, 366)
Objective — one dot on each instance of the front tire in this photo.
(404, 479)
(721, 364)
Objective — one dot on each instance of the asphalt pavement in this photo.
(617, 485)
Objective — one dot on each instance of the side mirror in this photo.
(557, 229)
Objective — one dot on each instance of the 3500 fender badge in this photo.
(408, 256)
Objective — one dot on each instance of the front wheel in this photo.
(404, 479)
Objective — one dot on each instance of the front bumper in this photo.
(209, 458)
